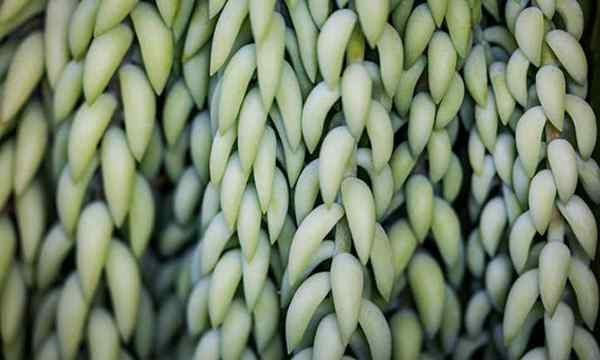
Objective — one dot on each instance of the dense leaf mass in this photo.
(306, 179)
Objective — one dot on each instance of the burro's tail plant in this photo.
(299, 179)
